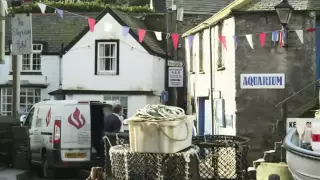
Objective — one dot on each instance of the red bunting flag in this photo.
(175, 40)
(311, 29)
(262, 38)
(141, 34)
(222, 39)
(92, 23)
(280, 38)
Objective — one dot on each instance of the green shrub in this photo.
(94, 6)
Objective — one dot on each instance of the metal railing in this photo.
(298, 92)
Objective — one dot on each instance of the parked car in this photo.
(62, 133)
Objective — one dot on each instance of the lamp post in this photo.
(284, 11)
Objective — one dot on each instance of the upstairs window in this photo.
(32, 62)
(107, 57)
(201, 52)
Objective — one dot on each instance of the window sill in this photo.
(107, 73)
(221, 68)
(191, 72)
(28, 73)
(201, 72)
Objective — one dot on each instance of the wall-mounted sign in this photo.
(21, 31)
(262, 81)
(175, 76)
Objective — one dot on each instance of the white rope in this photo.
(160, 113)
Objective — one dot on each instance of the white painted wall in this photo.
(224, 81)
(138, 69)
(49, 69)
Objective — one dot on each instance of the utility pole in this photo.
(3, 28)
(15, 86)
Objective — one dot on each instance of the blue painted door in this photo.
(201, 114)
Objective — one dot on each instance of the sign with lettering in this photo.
(21, 25)
(262, 81)
(292, 122)
(175, 76)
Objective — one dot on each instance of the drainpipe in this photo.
(211, 81)
(60, 65)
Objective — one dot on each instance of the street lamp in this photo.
(284, 11)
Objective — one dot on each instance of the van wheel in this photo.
(47, 172)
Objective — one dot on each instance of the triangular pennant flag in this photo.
(262, 38)
(141, 34)
(158, 35)
(92, 23)
(300, 35)
(311, 29)
(222, 39)
(190, 40)
(175, 40)
(249, 39)
(125, 30)
(275, 36)
(60, 12)
(42, 7)
(235, 38)
(280, 38)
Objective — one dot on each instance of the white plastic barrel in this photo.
(315, 143)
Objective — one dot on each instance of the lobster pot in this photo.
(151, 166)
(160, 137)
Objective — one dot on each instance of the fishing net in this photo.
(153, 166)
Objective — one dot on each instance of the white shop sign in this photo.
(291, 122)
(262, 81)
(175, 76)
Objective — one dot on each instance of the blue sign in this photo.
(164, 96)
(262, 81)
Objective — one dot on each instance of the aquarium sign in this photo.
(262, 81)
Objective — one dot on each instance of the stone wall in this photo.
(256, 111)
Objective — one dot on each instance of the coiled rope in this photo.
(155, 114)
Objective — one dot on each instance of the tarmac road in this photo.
(62, 175)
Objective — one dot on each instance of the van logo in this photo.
(48, 117)
(76, 119)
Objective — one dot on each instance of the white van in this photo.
(64, 133)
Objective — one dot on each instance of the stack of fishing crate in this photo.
(21, 147)
(6, 139)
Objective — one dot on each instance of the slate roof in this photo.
(51, 30)
(251, 6)
(268, 5)
(200, 6)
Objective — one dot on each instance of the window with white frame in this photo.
(107, 57)
(28, 97)
(122, 99)
(32, 62)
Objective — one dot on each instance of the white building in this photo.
(99, 65)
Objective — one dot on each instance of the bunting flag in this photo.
(42, 7)
(175, 40)
(311, 29)
(275, 36)
(280, 38)
(262, 38)
(92, 23)
(158, 35)
(235, 38)
(222, 39)
(141, 34)
(249, 39)
(59, 12)
(300, 35)
(125, 30)
(190, 40)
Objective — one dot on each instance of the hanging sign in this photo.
(21, 25)
(175, 76)
(262, 81)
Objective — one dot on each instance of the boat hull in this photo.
(303, 164)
